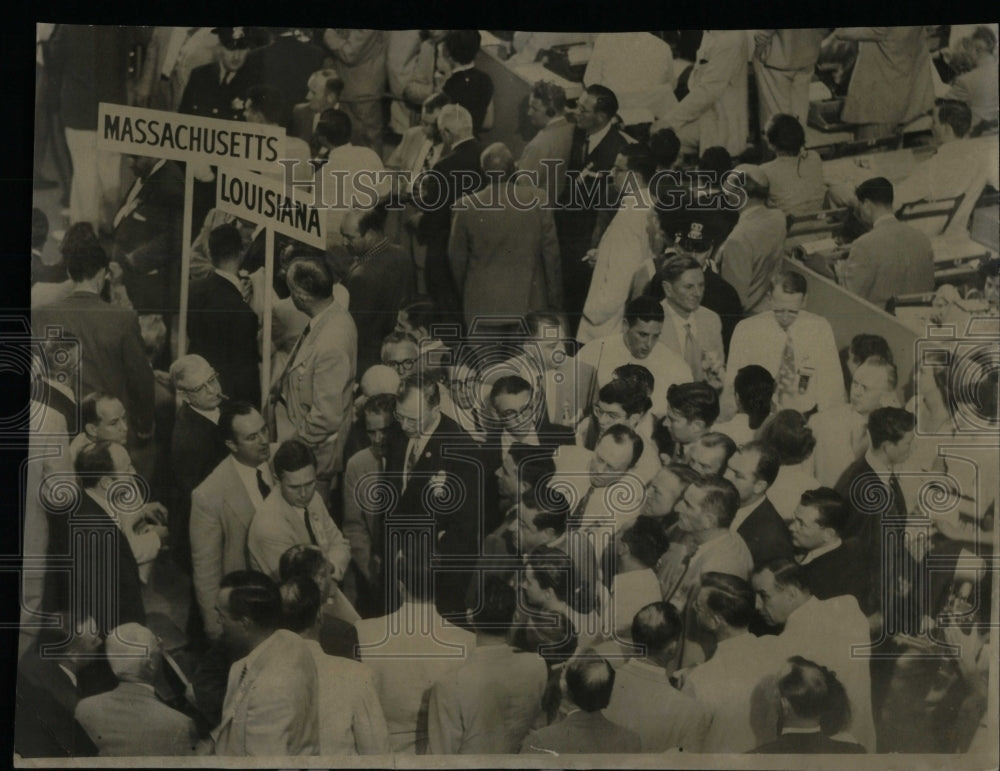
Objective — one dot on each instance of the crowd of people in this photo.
(562, 462)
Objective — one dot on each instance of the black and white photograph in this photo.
(508, 399)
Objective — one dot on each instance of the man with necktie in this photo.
(689, 328)
(295, 514)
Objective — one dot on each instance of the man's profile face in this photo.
(682, 430)
(641, 336)
(527, 536)
(898, 452)
(112, 422)
(586, 118)
(741, 471)
(201, 387)
(610, 461)
(298, 487)
(662, 494)
(691, 517)
(415, 415)
(868, 387)
(686, 292)
(806, 531)
(773, 602)
(707, 461)
(377, 428)
(515, 412)
(536, 113)
(251, 439)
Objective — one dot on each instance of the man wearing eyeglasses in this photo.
(401, 352)
(797, 347)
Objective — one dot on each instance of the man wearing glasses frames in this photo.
(401, 352)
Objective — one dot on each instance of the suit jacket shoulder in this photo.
(766, 534)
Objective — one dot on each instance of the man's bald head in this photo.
(497, 158)
(134, 653)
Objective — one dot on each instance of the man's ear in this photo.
(90, 429)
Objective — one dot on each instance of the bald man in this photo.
(131, 720)
(503, 248)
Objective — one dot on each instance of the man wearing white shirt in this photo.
(797, 347)
(223, 506)
(639, 68)
(553, 142)
(690, 329)
(624, 246)
(637, 343)
(637, 548)
(841, 433)
(824, 631)
(295, 514)
(325, 87)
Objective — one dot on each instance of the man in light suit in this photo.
(131, 720)
(223, 506)
(978, 87)
(689, 328)
(783, 63)
(547, 154)
(714, 112)
(312, 396)
(271, 699)
(503, 248)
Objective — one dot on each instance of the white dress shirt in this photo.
(248, 476)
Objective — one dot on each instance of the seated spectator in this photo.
(752, 469)
(709, 454)
(636, 343)
(795, 178)
(814, 707)
(637, 549)
(350, 716)
(751, 256)
(832, 564)
(590, 681)
(794, 442)
(295, 514)
(464, 84)
(131, 720)
(978, 87)
(892, 258)
(644, 699)
(490, 702)
(753, 388)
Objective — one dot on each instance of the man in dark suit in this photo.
(457, 173)
(467, 86)
(878, 508)
(830, 566)
(324, 90)
(813, 706)
(48, 689)
(286, 63)
(221, 326)
(92, 536)
(596, 144)
(752, 469)
(217, 89)
(196, 446)
(59, 380)
(147, 234)
(113, 359)
(379, 279)
(434, 467)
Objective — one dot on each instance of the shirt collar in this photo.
(742, 513)
(462, 67)
(593, 140)
(70, 674)
(790, 730)
(819, 551)
(231, 278)
(878, 466)
(679, 322)
(61, 388)
(883, 218)
(212, 415)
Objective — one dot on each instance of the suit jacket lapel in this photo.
(241, 505)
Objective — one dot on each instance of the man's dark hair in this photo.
(638, 159)
(302, 560)
(865, 345)
(788, 433)
(768, 461)
(300, 603)
(422, 312)
(380, 404)
(730, 597)
(814, 692)
(645, 540)
(695, 401)
(335, 127)
(644, 308)
(622, 434)
(721, 498)
(785, 134)
(786, 572)
(462, 44)
(428, 389)
(713, 440)
(655, 626)
(956, 114)
(293, 455)
(496, 607)
(83, 253)
(677, 266)
(590, 681)
(791, 282)
(374, 218)
(889, 424)
(878, 190)
(39, 228)
(543, 318)
(754, 386)
(552, 97)
(312, 276)
(534, 464)
(988, 269)
(88, 407)
(632, 398)
(717, 160)
(254, 596)
(551, 507)
(228, 412)
(605, 100)
(94, 462)
(269, 102)
(224, 243)
(637, 376)
(664, 146)
(510, 385)
(683, 472)
(891, 372)
(831, 509)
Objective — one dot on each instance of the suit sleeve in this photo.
(712, 82)
(276, 723)
(873, 34)
(339, 551)
(459, 249)
(609, 286)
(355, 526)
(206, 557)
(371, 734)
(444, 721)
(858, 271)
(736, 258)
(551, 259)
(139, 384)
(355, 47)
